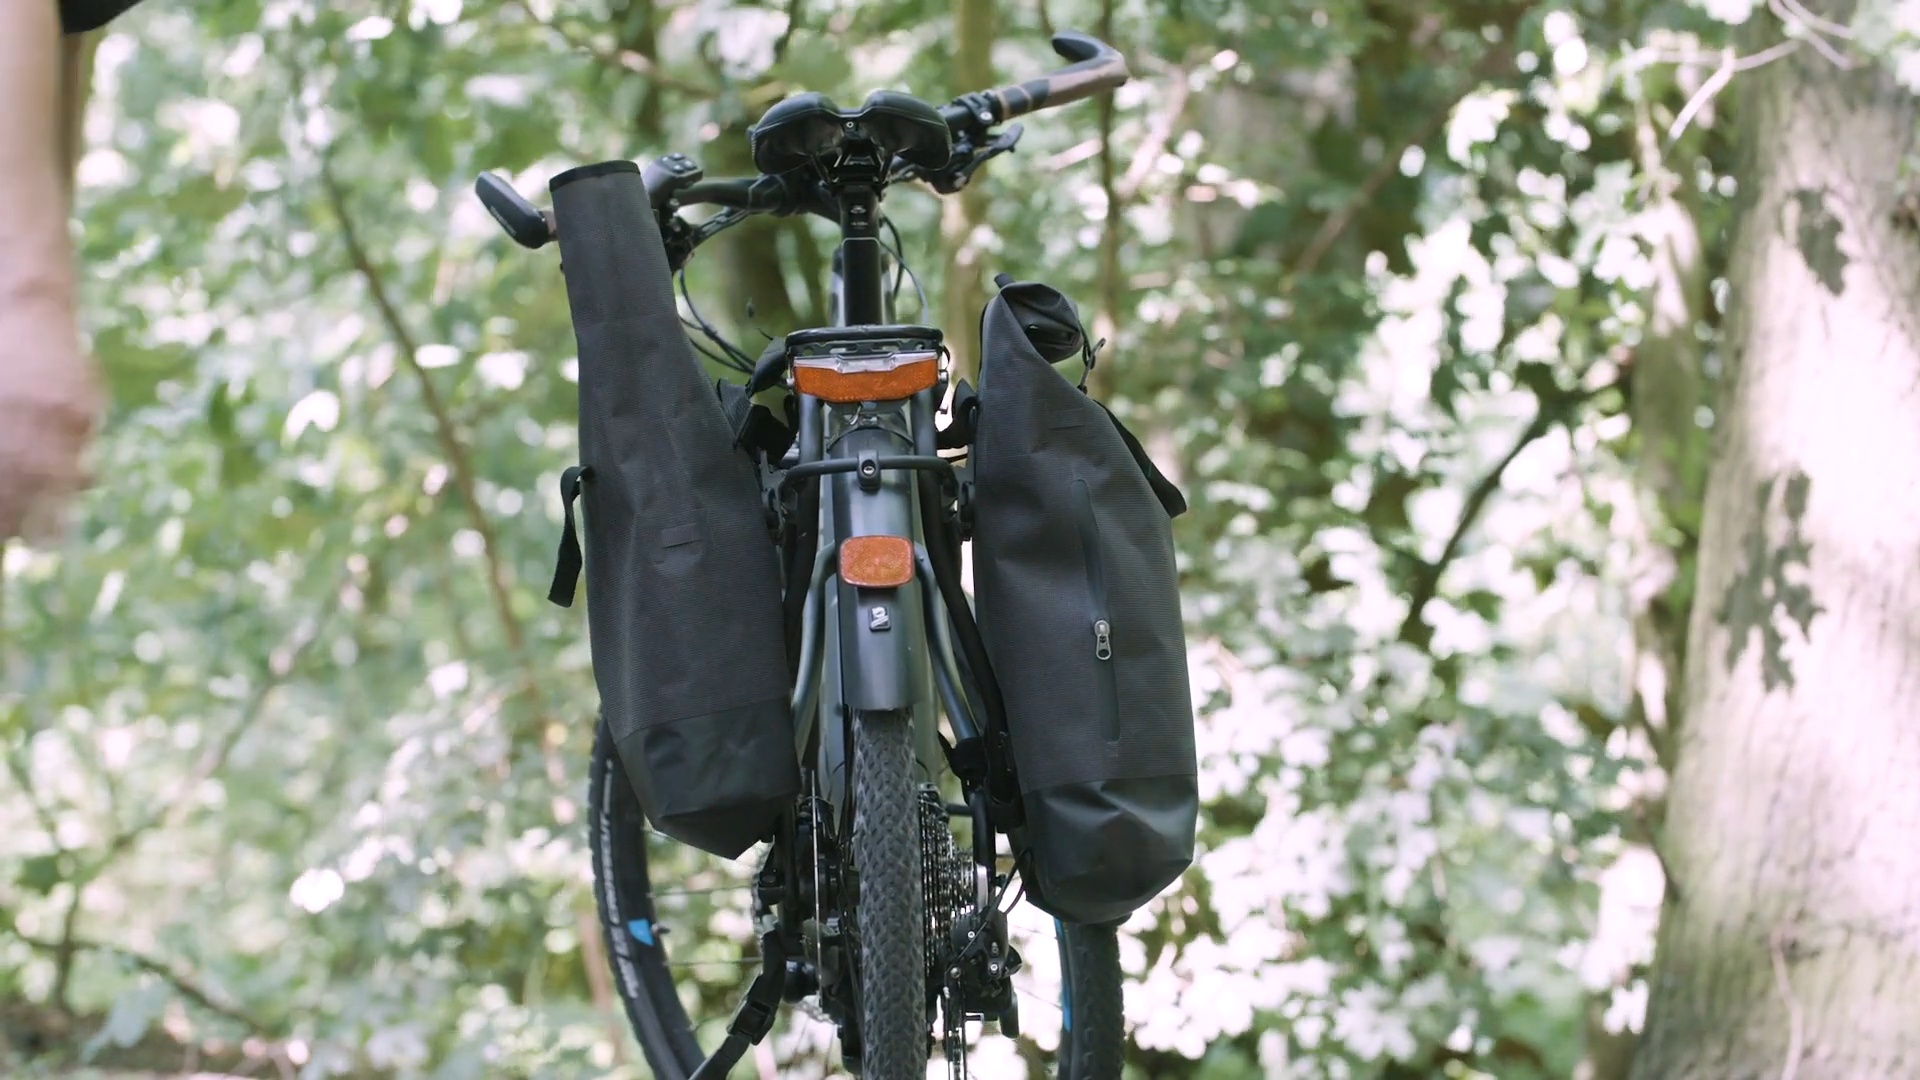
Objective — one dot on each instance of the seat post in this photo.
(855, 181)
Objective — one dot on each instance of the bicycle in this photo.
(862, 899)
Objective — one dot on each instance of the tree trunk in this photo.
(1106, 321)
(1668, 449)
(1792, 946)
(639, 26)
(961, 216)
(746, 261)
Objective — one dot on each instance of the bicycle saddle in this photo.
(808, 126)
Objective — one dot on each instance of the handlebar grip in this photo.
(527, 226)
(1097, 67)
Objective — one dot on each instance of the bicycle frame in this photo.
(856, 666)
(881, 646)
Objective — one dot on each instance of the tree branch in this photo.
(186, 987)
(210, 763)
(41, 812)
(625, 59)
(796, 10)
(1497, 60)
(1795, 15)
(1414, 630)
(1719, 79)
(459, 461)
(1813, 22)
(1158, 134)
(281, 663)
(64, 950)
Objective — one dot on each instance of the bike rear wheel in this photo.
(1092, 1036)
(889, 909)
(623, 891)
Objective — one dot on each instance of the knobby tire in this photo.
(1093, 1039)
(1093, 1036)
(617, 835)
(890, 912)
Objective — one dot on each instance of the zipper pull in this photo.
(1102, 639)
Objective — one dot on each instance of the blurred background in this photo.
(1420, 303)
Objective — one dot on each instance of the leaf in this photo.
(1320, 577)
(815, 62)
(1593, 720)
(1445, 383)
(1386, 508)
(202, 198)
(220, 413)
(40, 873)
(240, 465)
(1539, 378)
(1529, 296)
(135, 371)
(1482, 602)
(1267, 224)
(132, 1013)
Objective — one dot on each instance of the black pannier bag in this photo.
(1078, 604)
(683, 579)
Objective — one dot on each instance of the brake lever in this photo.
(681, 237)
(950, 180)
(679, 240)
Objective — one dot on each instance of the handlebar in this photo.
(1096, 68)
(755, 194)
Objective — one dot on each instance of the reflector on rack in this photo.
(876, 562)
(848, 380)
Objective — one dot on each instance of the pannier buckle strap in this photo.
(567, 564)
(753, 1020)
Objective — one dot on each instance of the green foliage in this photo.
(290, 719)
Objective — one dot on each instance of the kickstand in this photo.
(754, 1018)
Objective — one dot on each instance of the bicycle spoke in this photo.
(741, 962)
(1026, 993)
(667, 894)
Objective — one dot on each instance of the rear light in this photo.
(876, 562)
(850, 380)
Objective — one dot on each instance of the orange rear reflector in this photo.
(876, 562)
(880, 378)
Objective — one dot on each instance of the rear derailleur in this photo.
(979, 974)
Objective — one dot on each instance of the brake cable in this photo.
(735, 359)
(898, 251)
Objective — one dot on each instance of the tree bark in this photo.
(1792, 946)
(639, 33)
(965, 295)
(746, 260)
(1106, 321)
(1668, 445)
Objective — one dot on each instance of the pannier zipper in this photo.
(1106, 686)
